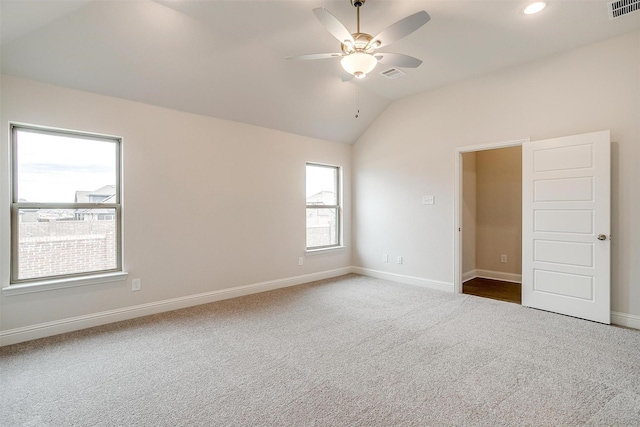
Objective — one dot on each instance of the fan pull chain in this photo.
(358, 104)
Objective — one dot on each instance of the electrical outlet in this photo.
(385, 257)
(300, 261)
(135, 284)
(399, 260)
(503, 258)
(428, 200)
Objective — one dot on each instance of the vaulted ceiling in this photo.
(226, 58)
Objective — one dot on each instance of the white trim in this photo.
(27, 333)
(321, 251)
(70, 282)
(492, 145)
(409, 280)
(41, 330)
(468, 275)
(625, 319)
(457, 200)
(495, 275)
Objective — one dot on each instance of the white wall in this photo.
(469, 214)
(410, 151)
(209, 204)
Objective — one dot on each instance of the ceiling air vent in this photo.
(394, 73)
(623, 7)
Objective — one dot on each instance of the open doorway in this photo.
(566, 205)
(490, 215)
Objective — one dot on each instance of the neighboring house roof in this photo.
(106, 192)
(322, 198)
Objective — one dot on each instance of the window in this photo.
(323, 206)
(66, 204)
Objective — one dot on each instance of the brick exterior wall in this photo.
(66, 247)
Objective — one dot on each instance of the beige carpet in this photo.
(352, 351)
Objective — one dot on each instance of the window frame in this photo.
(337, 207)
(71, 279)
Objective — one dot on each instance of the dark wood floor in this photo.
(494, 289)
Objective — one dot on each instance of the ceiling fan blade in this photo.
(400, 29)
(331, 23)
(398, 60)
(314, 56)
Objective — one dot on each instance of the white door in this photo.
(566, 225)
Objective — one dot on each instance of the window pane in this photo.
(322, 227)
(55, 242)
(322, 184)
(55, 168)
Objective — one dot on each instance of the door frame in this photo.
(457, 209)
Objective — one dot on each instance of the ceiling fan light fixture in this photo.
(358, 50)
(359, 64)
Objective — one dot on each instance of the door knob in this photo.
(602, 237)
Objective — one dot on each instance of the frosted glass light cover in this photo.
(357, 63)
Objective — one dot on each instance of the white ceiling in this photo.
(226, 58)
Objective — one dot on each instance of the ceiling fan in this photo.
(358, 50)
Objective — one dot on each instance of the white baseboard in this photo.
(617, 318)
(410, 280)
(469, 275)
(489, 274)
(625, 319)
(41, 330)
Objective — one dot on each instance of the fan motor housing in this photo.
(361, 44)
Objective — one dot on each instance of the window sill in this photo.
(49, 285)
(325, 250)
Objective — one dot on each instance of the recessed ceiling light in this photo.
(534, 7)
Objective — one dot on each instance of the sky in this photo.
(52, 168)
(319, 179)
